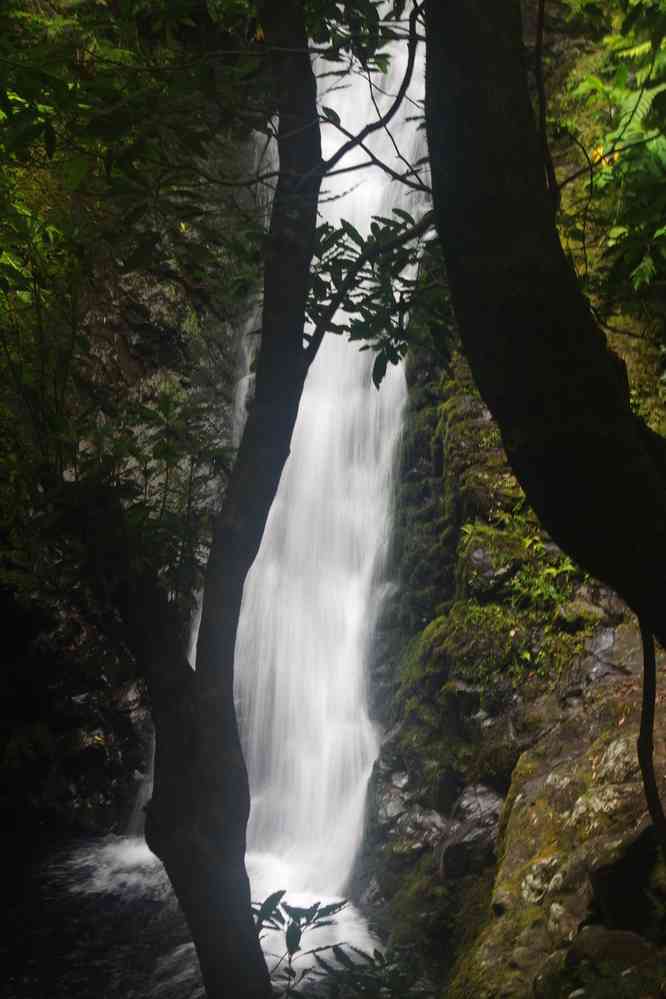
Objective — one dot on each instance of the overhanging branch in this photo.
(382, 122)
(368, 256)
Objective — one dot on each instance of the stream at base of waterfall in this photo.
(111, 925)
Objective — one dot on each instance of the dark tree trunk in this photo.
(190, 823)
(197, 819)
(592, 471)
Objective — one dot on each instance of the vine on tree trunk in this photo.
(645, 741)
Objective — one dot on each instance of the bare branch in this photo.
(418, 184)
(402, 178)
(383, 121)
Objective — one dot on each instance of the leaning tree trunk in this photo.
(196, 821)
(590, 468)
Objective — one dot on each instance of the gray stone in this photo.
(468, 405)
(390, 759)
(481, 561)
(605, 655)
(619, 763)
(372, 895)
(470, 843)
(483, 575)
(536, 882)
(604, 598)
(390, 805)
(593, 806)
(556, 914)
(602, 641)
(425, 826)
(480, 804)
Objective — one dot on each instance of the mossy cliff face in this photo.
(508, 839)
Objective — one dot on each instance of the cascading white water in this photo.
(306, 621)
(312, 597)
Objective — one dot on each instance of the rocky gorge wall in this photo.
(508, 845)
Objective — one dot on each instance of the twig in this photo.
(590, 195)
(613, 151)
(382, 122)
(402, 178)
(389, 133)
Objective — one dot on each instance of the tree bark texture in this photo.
(593, 472)
(196, 822)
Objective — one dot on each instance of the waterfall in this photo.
(307, 617)
(312, 597)
(310, 605)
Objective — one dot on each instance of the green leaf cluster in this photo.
(614, 210)
(355, 29)
(345, 972)
(378, 281)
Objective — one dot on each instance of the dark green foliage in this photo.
(123, 258)
(378, 281)
(359, 32)
(613, 204)
(70, 730)
(338, 971)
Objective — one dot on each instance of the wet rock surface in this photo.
(470, 841)
(508, 838)
(578, 868)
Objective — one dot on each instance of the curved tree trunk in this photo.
(196, 821)
(590, 468)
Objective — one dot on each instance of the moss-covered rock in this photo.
(573, 816)
(518, 676)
